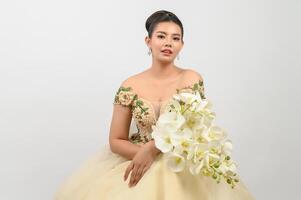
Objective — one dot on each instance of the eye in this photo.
(160, 36)
(177, 38)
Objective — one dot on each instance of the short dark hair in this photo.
(162, 16)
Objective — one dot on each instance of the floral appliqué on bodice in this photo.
(143, 111)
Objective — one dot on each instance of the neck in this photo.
(160, 70)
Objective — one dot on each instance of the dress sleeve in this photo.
(196, 86)
(124, 96)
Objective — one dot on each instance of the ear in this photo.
(147, 41)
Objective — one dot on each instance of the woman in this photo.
(131, 167)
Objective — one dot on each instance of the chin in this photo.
(166, 58)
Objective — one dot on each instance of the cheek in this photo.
(177, 48)
(157, 44)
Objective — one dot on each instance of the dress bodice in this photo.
(146, 113)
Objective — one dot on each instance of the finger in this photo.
(127, 171)
(133, 174)
(145, 170)
(138, 175)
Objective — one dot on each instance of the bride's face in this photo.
(166, 35)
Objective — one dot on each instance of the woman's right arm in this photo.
(119, 130)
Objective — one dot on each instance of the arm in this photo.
(141, 162)
(119, 132)
(152, 148)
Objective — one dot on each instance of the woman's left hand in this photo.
(140, 163)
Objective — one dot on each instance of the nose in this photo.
(167, 44)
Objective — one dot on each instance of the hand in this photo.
(140, 164)
(141, 144)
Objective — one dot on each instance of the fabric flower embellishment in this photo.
(125, 97)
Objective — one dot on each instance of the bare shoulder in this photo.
(191, 76)
(132, 81)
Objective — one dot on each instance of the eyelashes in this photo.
(161, 36)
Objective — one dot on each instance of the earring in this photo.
(178, 56)
(149, 51)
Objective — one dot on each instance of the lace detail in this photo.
(137, 138)
(124, 97)
(140, 108)
(196, 87)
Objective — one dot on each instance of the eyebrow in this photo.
(166, 33)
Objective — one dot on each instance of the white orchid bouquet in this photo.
(186, 135)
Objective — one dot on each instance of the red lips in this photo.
(167, 51)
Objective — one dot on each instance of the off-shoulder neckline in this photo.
(190, 86)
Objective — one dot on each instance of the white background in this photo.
(61, 63)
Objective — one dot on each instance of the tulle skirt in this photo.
(101, 178)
